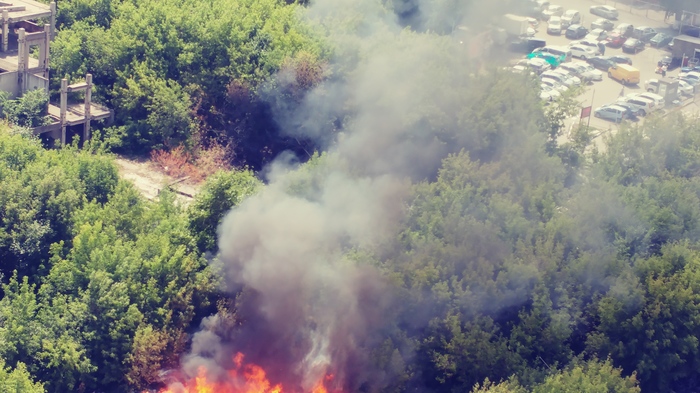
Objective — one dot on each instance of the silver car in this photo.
(610, 112)
(605, 11)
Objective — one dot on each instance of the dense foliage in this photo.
(521, 265)
(179, 71)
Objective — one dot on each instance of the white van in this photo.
(560, 51)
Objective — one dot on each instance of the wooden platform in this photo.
(25, 9)
(76, 113)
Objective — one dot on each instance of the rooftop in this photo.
(19, 10)
(687, 38)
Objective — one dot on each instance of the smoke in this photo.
(309, 308)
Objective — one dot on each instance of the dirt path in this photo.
(149, 180)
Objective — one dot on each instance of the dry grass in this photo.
(179, 163)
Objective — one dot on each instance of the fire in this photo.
(244, 378)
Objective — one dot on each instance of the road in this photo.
(608, 90)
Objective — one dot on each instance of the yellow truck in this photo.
(624, 73)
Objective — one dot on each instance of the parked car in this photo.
(643, 33)
(597, 35)
(562, 77)
(615, 40)
(645, 105)
(539, 65)
(548, 93)
(665, 61)
(552, 10)
(562, 53)
(660, 40)
(685, 88)
(570, 17)
(554, 84)
(625, 74)
(553, 60)
(582, 52)
(554, 25)
(601, 62)
(624, 29)
(591, 44)
(632, 110)
(527, 45)
(690, 76)
(610, 112)
(601, 23)
(605, 11)
(583, 71)
(533, 22)
(575, 32)
(652, 86)
(658, 100)
(621, 59)
(633, 45)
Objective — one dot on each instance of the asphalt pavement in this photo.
(608, 90)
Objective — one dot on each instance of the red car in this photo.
(615, 40)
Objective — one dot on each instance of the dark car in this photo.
(690, 30)
(633, 45)
(660, 40)
(632, 111)
(621, 59)
(527, 45)
(615, 40)
(575, 32)
(601, 62)
(665, 61)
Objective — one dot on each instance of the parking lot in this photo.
(608, 90)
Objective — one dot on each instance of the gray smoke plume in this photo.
(308, 308)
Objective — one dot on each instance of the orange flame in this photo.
(244, 378)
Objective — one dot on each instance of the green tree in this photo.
(221, 192)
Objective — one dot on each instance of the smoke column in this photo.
(308, 309)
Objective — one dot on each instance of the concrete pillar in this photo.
(88, 101)
(45, 56)
(22, 58)
(5, 30)
(64, 109)
(52, 7)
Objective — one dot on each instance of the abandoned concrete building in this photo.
(20, 72)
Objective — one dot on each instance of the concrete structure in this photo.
(20, 72)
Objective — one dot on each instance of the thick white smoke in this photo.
(310, 305)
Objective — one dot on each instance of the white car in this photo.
(605, 11)
(554, 84)
(552, 10)
(589, 43)
(571, 17)
(582, 70)
(684, 88)
(582, 52)
(554, 25)
(548, 93)
(596, 35)
(562, 77)
(658, 100)
(692, 76)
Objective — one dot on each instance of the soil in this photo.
(149, 179)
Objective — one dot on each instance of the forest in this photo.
(390, 219)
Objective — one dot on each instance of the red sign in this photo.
(586, 112)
